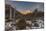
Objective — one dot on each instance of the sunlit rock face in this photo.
(25, 12)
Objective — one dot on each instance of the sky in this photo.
(26, 6)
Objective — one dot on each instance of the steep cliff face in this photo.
(7, 11)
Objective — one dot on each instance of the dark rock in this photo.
(36, 25)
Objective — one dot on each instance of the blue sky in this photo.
(26, 5)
